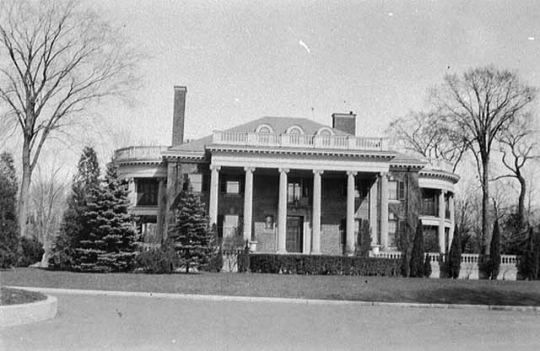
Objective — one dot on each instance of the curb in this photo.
(27, 313)
(278, 300)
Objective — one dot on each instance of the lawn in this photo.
(17, 296)
(355, 288)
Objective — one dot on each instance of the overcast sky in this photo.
(242, 60)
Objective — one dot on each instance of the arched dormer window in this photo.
(295, 130)
(325, 131)
(264, 128)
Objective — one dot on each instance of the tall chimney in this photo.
(179, 111)
(346, 122)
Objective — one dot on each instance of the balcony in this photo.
(139, 153)
(338, 142)
(434, 164)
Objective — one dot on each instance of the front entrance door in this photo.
(295, 234)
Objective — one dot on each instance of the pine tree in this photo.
(454, 256)
(9, 228)
(494, 262)
(74, 226)
(427, 266)
(191, 234)
(110, 246)
(417, 254)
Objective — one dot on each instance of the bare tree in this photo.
(48, 200)
(422, 133)
(56, 57)
(478, 106)
(518, 147)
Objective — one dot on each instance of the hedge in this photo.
(323, 265)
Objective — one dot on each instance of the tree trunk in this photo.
(521, 203)
(24, 191)
(485, 203)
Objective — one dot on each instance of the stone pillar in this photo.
(132, 187)
(214, 194)
(282, 211)
(162, 205)
(316, 241)
(442, 214)
(452, 220)
(349, 235)
(172, 191)
(384, 210)
(373, 214)
(248, 203)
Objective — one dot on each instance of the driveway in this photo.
(92, 322)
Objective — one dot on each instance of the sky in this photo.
(241, 60)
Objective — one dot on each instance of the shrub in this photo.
(31, 252)
(323, 265)
(454, 257)
(529, 263)
(427, 266)
(157, 261)
(495, 252)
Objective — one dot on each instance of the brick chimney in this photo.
(179, 111)
(346, 122)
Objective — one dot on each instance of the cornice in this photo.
(302, 151)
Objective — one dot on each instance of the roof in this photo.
(278, 124)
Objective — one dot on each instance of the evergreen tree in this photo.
(9, 228)
(494, 262)
(191, 234)
(528, 266)
(427, 267)
(110, 245)
(454, 256)
(74, 226)
(417, 254)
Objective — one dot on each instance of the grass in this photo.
(10, 296)
(518, 293)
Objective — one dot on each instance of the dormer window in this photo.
(264, 129)
(295, 130)
(325, 131)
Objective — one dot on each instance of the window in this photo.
(264, 129)
(392, 229)
(295, 130)
(294, 191)
(231, 185)
(147, 192)
(196, 181)
(396, 190)
(269, 222)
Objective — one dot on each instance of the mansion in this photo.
(292, 185)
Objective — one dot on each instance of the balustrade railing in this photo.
(139, 153)
(300, 140)
(435, 256)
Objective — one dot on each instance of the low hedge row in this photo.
(323, 265)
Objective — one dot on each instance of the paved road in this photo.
(141, 323)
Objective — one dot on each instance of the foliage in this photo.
(191, 234)
(529, 264)
(32, 251)
(323, 265)
(75, 226)
(454, 256)
(157, 260)
(406, 247)
(417, 254)
(513, 235)
(427, 266)
(364, 240)
(57, 57)
(9, 229)
(110, 245)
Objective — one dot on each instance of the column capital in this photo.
(249, 169)
(353, 173)
(383, 174)
(318, 171)
(215, 167)
(283, 170)
(443, 191)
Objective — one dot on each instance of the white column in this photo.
(373, 215)
(349, 236)
(132, 192)
(248, 203)
(384, 210)
(316, 241)
(282, 210)
(161, 208)
(452, 219)
(442, 212)
(214, 194)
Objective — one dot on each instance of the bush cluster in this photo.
(323, 265)
(158, 260)
(32, 252)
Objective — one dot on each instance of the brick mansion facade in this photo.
(292, 185)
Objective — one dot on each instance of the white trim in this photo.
(295, 127)
(264, 125)
(325, 129)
